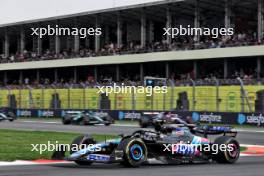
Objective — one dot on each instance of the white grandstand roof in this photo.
(16, 12)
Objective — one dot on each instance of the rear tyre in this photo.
(66, 120)
(135, 152)
(78, 142)
(12, 116)
(232, 153)
(107, 124)
(109, 119)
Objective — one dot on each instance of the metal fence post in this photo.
(152, 100)
(69, 98)
(194, 94)
(133, 101)
(99, 102)
(217, 95)
(242, 100)
(115, 107)
(84, 97)
(30, 97)
(164, 102)
(43, 97)
(172, 96)
(20, 98)
(9, 102)
(55, 99)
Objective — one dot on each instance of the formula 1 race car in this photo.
(170, 145)
(158, 119)
(87, 118)
(6, 114)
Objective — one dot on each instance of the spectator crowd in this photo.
(180, 44)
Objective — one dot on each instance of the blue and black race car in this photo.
(171, 145)
(87, 118)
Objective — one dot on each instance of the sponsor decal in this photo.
(128, 115)
(184, 149)
(206, 117)
(121, 115)
(210, 118)
(63, 113)
(45, 113)
(132, 115)
(255, 119)
(95, 157)
(250, 119)
(24, 113)
(195, 117)
(241, 119)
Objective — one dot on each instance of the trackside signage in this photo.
(254, 119)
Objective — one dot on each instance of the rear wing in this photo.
(215, 130)
(150, 113)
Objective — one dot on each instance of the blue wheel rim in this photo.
(136, 152)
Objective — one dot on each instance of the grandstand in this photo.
(131, 47)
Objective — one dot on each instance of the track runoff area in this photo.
(249, 163)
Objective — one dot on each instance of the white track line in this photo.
(41, 122)
(21, 162)
(125, 125)
(25, 163)
(249, 131)
(153, 161)
(250, 145)
(29, 121)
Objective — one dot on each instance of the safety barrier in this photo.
(200, 98)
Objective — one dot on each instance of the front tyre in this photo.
(135, 152)
(232, 153)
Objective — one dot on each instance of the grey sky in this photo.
(20, 10)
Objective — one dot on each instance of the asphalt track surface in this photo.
(246, 166)
(244, 137)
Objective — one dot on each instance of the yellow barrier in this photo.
(205, 98)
